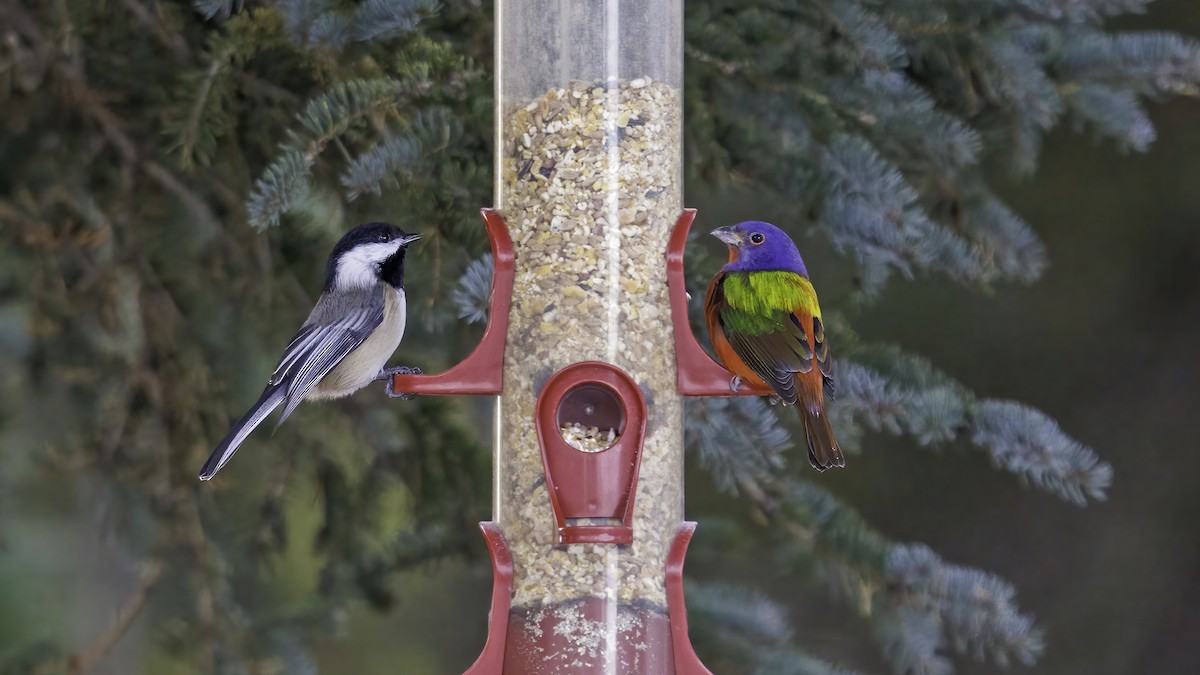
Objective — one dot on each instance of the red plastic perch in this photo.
(482, 371)
(697, 373)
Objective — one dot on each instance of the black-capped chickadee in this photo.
(349, 336)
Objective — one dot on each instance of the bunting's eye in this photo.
(757, 238)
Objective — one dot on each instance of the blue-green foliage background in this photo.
(995, 199)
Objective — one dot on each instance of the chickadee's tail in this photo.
(271, 397)
(823, 450)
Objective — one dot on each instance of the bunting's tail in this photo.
(823, 450)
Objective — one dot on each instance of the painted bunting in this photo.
(765, 323)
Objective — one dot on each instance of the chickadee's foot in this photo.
(735, 383)
(387, 373)
(774, 399)
(398, 370)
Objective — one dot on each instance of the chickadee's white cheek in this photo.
(359, 267)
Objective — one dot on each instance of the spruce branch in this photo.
(313, 23)
(790, 661)
(907, 395)
(731, 613)
(1113, 113)
(1026, 442)
(382, 19)
(736, 439)
(293, 655)
(200, 126)
(872, 214)
(1002, 246)
(473, 295)
(912, 642)
(286, 180)
(875, 47)
(381, 164)
(331, 113)
(1081, 11)
(879, 403)
(217, 9)
(748, 628)
(330, 30)
(973, 611)
(284, 183)
(911, 128)
(919, 605)
(1149, 64)
(299, 17)
(1014, 79)
(819, 524)
(914, 398)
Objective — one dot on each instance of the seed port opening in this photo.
(591, 418)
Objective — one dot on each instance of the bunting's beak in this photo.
(728, 234)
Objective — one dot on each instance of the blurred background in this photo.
(1104, 343)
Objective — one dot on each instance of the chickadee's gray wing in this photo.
(337, 325)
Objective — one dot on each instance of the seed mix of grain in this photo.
(590, 188)
(588, 439)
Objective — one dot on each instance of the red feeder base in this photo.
(589, 636)
(572, 639)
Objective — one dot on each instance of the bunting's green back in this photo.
(759, 302)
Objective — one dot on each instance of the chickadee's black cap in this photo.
(364, 235)
(368, 233)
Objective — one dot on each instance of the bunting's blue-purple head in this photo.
(755, 246)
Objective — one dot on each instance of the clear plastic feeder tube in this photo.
(589, 107)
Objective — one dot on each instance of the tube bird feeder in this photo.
(589, 178)
(589, 111)
(588, 343)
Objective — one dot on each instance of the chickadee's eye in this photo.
(757, 238)
(384, 237)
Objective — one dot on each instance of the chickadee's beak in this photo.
(728, 234)
(409, 238)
